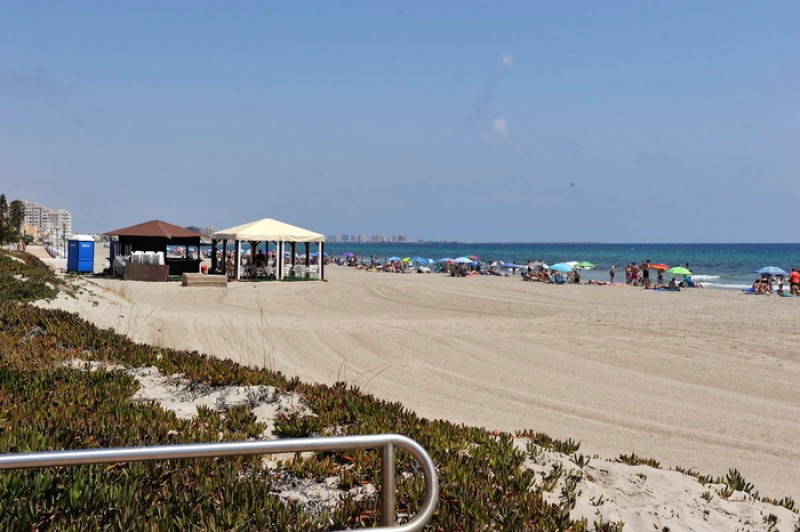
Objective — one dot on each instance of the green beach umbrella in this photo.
(584, 265)
(678, 270)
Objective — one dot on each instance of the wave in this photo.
(705, 277)
(727, 286)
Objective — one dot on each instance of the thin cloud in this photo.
(500, 126)
(493, 129)
(507, 60)
(497, 136)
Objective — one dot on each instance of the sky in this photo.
(520, 121)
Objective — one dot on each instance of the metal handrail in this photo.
(386, 442)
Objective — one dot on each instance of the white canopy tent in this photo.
(270, 230)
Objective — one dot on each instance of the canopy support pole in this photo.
(238, 259)
(322, 261)
(279, 260)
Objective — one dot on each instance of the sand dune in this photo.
(701, 378)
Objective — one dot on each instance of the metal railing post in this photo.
(388, 491)
(386, 442)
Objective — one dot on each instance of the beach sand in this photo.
(705, 379)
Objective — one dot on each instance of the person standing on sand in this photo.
(794, 282)
(611, 273)
(634, 274)
(646, 272)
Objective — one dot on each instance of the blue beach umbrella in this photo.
(463, 260)
(771, 270)
(510, 265)
(394, 259)
(562, 267)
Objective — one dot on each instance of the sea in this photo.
(721, 266)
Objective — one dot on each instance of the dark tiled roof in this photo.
(155, 228)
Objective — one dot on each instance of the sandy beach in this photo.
(706, 379)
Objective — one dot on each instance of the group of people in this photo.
(261, 264)
(764, 284)
(537, 271)
(640, 275)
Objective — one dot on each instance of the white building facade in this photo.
(54, 224)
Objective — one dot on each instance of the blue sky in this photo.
(515, 121)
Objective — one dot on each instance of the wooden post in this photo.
(225, 257)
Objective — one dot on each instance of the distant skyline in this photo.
(446, 121)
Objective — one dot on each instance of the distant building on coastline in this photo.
(361, 239)
(46, 222)
(203, 229)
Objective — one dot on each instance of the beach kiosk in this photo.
(285, 238)
(80, 254)
(144, 250)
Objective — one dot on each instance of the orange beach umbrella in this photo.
(661, 267)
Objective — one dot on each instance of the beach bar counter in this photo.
(140, 252)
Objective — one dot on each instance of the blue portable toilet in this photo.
(80, 254)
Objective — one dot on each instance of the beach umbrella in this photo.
(562, 267)
(510, 265)
(348, 254)
(771, 270)
(678, 270)
(538, 265)
(462, 260)
(393, 259)
(445, 259)
(473, 257)
(659, 266)
(407, 260)
(584, 265)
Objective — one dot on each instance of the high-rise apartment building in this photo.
(57, 224)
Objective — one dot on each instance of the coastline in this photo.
(701, 379)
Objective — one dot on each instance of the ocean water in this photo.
(723, 266)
